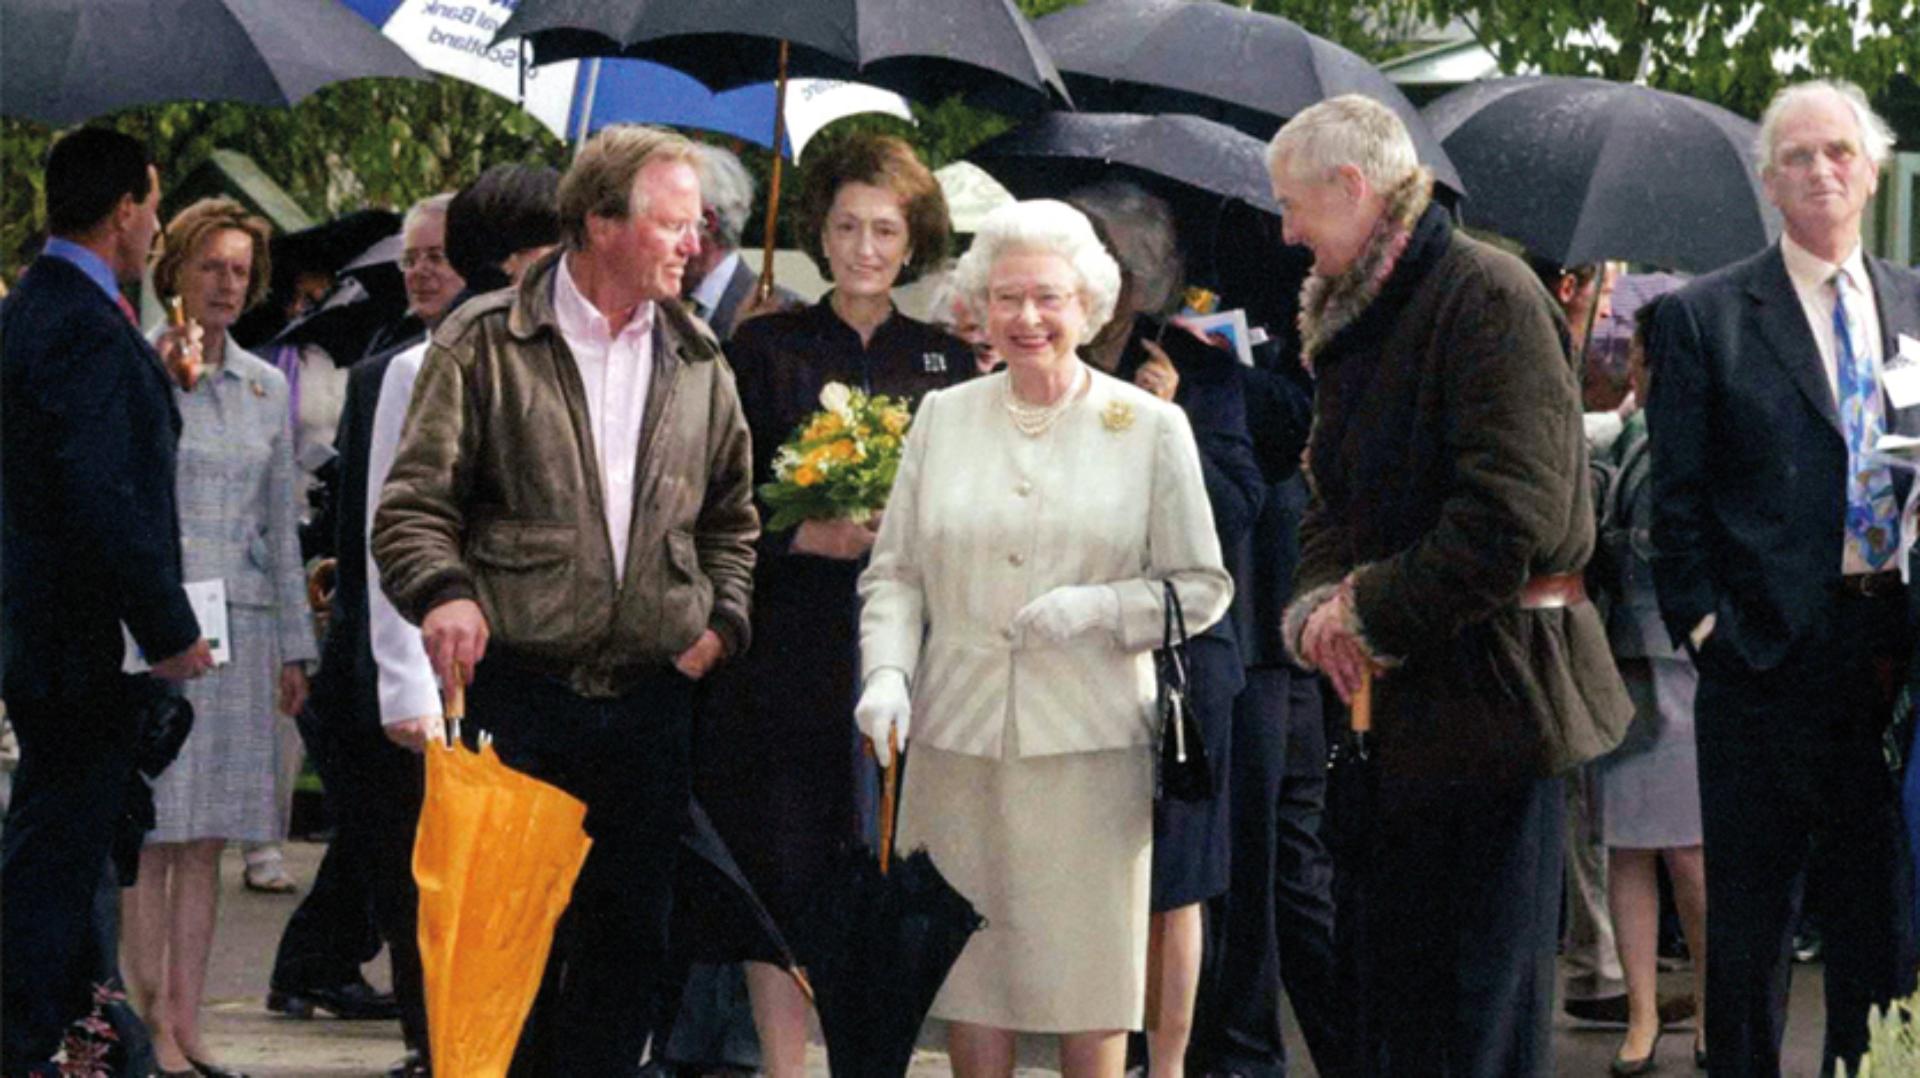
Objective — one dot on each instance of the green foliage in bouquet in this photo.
(840, 463)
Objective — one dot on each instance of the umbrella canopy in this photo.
(496, 858)
(69, 60)
(926, 51)
(1242, 68)
(1580, 170)
(1197, 165)
(571, 97)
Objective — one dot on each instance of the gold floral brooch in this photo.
(1117, 417)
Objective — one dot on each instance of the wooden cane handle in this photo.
(889, 792)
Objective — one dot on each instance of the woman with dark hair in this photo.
(1142, 345)
(779, 779)
(237, 525)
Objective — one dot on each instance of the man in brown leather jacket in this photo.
(569, 519)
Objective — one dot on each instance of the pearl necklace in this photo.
(1033, 420)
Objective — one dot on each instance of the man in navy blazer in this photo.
(1778, 537)
(91, 542)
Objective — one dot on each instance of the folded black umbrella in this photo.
(1246, 69)
(717, 917)
(1581, 170)
(164, 719)
(886, 931)
(70, 60)
(1352, 800)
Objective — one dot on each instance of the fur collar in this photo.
(1330, 304)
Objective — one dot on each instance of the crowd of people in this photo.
(1590, 639)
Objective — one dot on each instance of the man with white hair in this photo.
(1777, 539)
(1441, 557)
(720, 286)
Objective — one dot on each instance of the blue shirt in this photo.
(86, 262)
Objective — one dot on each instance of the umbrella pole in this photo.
(773, 183)
(1360, 709)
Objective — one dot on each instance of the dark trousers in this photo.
(626, 758)
(76, 760)
(1793, 791)
(364, 894)
(1461, 903)
(1274, 926)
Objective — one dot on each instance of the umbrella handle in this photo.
(1360, 708)
(889, 791)
(456, 703)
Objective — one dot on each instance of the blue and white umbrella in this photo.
(574, 98)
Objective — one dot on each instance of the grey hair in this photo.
(726, 188)
(1876, 137)
(1052, 227)
(946, 296)
(431, 206)
(1347, 130)
(1139, 231)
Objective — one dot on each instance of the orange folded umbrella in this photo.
(495, 857)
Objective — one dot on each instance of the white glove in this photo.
(884, 705)
(1064, 613)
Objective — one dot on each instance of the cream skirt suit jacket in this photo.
(1031, 780)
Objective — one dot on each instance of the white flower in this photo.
(838, 399)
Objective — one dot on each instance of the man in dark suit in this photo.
(1777, 540)
(720, 287)
(91, 543)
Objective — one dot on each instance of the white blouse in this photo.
(982, 519)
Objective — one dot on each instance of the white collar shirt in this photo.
(616, 371)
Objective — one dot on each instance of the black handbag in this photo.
(1184, 773)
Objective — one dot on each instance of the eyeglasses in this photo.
(430, 257)
(1048, 300)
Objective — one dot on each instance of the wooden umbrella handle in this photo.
(1360, 709)
(456, 694)
(889, 792)
(765, 287)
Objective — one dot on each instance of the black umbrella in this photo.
(1243, 68)
(1352, 794)
(717, 917)
(887, 931)
(924, 50)
(1583, 170)
(68, 60)
(1197, 165)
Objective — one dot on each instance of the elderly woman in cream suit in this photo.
(1010, 608)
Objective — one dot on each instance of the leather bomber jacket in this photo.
(495, 495)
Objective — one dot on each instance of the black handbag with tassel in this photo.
(1184, 773)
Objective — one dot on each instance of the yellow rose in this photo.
(806, 475)
(894, 420)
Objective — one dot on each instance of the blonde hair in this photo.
(600, 181)
(193, 226)
(1345, 130)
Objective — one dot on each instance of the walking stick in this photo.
(889, 791)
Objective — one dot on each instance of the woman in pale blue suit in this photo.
(237, 524)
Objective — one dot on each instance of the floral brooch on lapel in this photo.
(1117, 416)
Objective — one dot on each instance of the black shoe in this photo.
(1646, 1064)
(1699, 1055)
(354, 1000)
(410, 1066)
(209, 1070)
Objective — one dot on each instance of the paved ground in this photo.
(246, 1035)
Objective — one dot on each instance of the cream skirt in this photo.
(1056, 853)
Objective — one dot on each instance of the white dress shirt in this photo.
(1812, 278)
(408, 689)
(616, 371)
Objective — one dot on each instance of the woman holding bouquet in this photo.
(1014, 597)
(776, 767)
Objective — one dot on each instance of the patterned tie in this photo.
(1873, 515)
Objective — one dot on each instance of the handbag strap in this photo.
(1173, 635)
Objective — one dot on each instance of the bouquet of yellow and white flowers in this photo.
(840, 463)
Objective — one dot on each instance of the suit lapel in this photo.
(1785, 335)
(739, 287)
